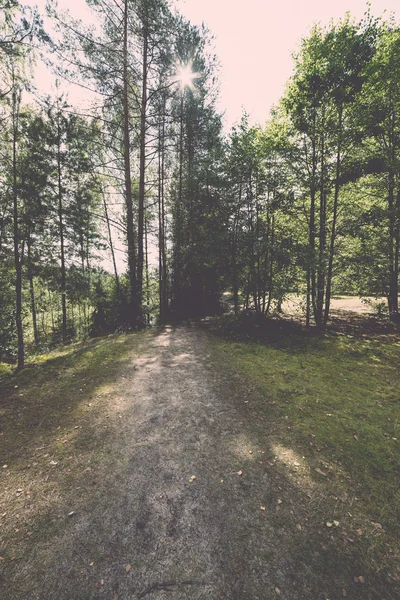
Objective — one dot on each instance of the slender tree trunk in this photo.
(61, 232)
(393, 250)
(51, 311)
(17, 259)
(320, 283)
(311, 282)
(334, 220)
(82, 245)
(395, 289)
(111, 245)
(146, 254)
(235, 283)
(163, 223)
(32, 291)
(128, 179)
(235, 278)
(161, 281)
(43, 323)
(271, 267)
(88, 275)
(142, 164)
(178, 218)
(308, 297)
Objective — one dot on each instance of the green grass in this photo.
(334, 401)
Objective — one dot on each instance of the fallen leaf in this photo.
(240, 473)
(355, 437)
(277, 591)
(321, 472)
(336, 523)
(262, 507)
(359, 531)
(128, 568)
(91, 564)
(299, 527)
(361, 579)
(329, 524)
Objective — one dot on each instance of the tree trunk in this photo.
(146, 254)
(17, 260)
(320, 283)
(142, 164)
(178, 218)
(128, 180)
(51, 311)
(163, 223)
(61, 232)
(161, 242)
(334, 220)
(32, 292)
(235, 283)
(110, 243)
(311, 280)
(393, 251)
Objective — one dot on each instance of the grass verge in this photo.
(329, 405)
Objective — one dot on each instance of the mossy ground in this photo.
(330, 403)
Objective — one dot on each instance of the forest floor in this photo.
(176, 463)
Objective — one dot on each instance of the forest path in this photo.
(148, 530)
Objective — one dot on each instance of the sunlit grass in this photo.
(330, 405)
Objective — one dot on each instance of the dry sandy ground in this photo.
(348, 303)
(148, 529)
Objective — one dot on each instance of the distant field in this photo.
(351, 303)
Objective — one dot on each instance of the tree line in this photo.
(307, 204)
(315, 193)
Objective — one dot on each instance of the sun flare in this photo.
(185, 75)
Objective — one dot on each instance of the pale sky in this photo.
(254, 40)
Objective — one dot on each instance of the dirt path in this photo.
(147, 531)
